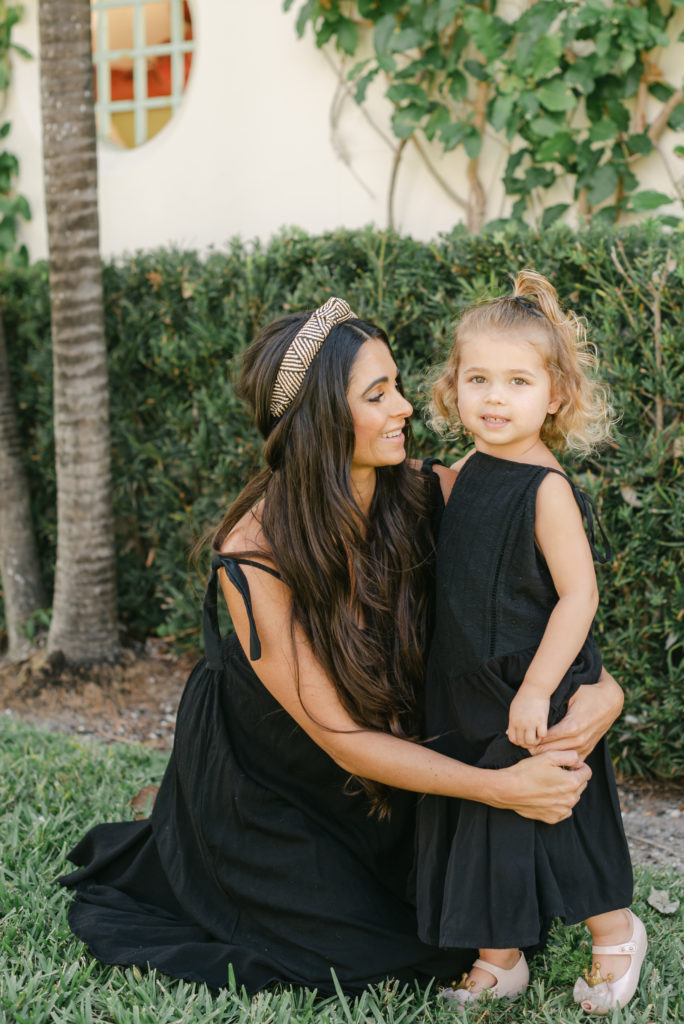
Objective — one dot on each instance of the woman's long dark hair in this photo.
(361, 585)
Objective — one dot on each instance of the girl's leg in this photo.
(610, 929)
(501, 972)
(619, 948)
(479, 978)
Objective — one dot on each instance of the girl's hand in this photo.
(591, 712)
(542, 787)
(528, 717)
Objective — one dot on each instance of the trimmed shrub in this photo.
(183, 445)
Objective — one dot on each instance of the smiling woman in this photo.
(379, 412)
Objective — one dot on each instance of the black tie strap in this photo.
(210, 622)
(588, 510)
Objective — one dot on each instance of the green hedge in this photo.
(182, 445)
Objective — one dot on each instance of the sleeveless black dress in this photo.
(254, 858)
(486, 877)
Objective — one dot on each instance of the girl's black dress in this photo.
(253, 857)
(486, 877)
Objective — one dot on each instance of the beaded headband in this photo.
(303, 347)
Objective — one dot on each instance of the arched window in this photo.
(142, 53)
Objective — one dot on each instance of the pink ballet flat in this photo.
(509, 984)
(600, 995)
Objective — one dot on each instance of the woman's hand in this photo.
(590, 714)
(545, 787)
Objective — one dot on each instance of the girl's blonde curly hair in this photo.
(584, 419)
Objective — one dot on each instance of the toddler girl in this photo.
(512, 644)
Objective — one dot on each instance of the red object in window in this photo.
(158, 72)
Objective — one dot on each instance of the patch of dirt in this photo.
(135, 701)
(132, 701)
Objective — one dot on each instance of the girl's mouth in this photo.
(392, 434)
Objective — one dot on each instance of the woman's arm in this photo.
(591, 712)
(538, 788)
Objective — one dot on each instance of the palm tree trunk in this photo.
(19, 570)
(84, 623)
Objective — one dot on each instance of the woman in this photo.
(261, 853)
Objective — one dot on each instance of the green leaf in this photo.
(363, 83)
(640, 144)
(453, 135)
(539, 17)
(603, 183)
(439, 119)
(477, 70)
(539, 177)
(661, 90)
(458, 86)
(560, 146)
(472, 142)
(582, 75)
(553, 213)
(403, 91)
(500, 112)
(648, 200)
(676, 119)
(448, 9)
(347, 36)
(529, 103)
(383, 32)
(556, 95)
(544, 126)
(605, 217)
(485, 31)
(603, 130)
(22, 208)
(305, 14)
(406, 39)
(619, 113)
(546, 55)
(406, 119)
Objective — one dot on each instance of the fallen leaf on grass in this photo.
(143, 801)
(661, 900)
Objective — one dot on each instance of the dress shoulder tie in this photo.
(210, 621)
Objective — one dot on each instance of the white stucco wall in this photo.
(252, 148)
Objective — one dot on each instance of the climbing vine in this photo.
(13, 206)
(574, 90)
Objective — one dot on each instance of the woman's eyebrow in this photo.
(379, 380)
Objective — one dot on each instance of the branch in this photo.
(660, 123)
(393, 181)
(437, 176)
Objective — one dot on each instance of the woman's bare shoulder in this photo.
(247, 536)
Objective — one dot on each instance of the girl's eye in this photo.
(477, 379)
(376, 398)
(519, 380)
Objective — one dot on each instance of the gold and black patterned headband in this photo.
(303, 347)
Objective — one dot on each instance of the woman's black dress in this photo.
(486, 877)
(253, 857)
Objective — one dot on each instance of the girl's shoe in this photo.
(508, 983)
(600, 995)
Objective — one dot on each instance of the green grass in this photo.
(53, 788)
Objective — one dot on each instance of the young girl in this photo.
(512, 644)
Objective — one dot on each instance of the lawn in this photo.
(54, 787)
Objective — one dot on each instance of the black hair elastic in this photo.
(527, 304)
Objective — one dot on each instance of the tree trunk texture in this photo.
(21, 583)
(84, 621)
